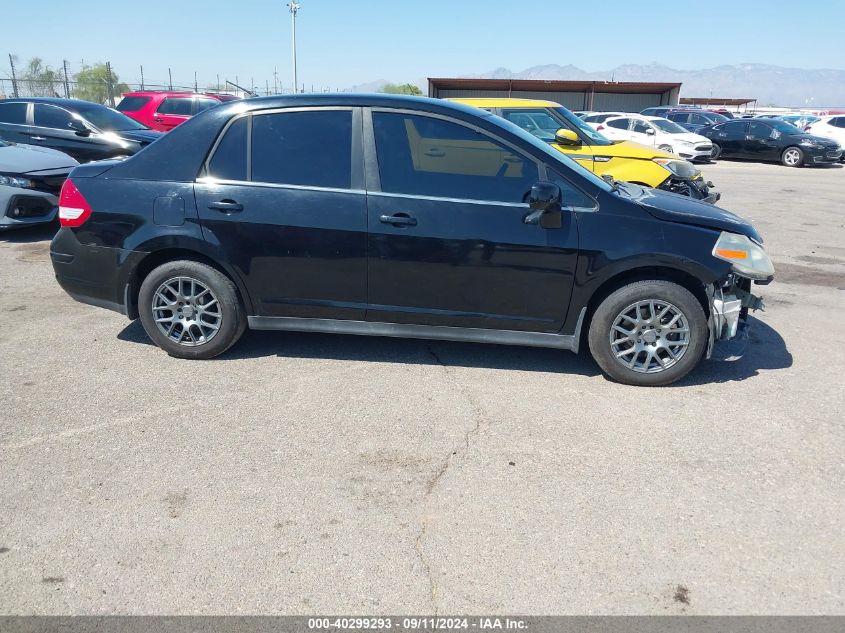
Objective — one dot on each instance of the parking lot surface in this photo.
(306, 473)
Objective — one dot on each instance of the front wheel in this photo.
(715, 151)
(792, 157)
(665, 148)
(190, 310)
(648, 333)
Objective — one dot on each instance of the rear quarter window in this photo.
(131, 104)
(229, 159)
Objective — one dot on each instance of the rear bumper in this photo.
(20, 208)
(90, 274)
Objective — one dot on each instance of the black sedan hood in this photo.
(142, 136)
(671, 207)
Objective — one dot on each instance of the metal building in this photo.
(601, 96)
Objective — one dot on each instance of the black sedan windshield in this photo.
(108, 120)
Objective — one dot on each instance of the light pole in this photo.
(293, 6)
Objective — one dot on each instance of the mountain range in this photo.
(769, 85)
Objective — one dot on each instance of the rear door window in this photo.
(759, 130)
(310, 148)
(204, 104)
(132, 104)
(51, 117)
(733, 129)
(14, 113)
(229, 159)
(427, 156)
(620, 124)
(180, 106)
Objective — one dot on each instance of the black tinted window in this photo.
(303, 148)
(131, 104)
(570, 195)
(733, 128)
(620, 124)
(13, 113)
(838, 121)
(432, 157)
(176, 105)
(204, 104)
(51, 116)
(229, 160)
(759, 130)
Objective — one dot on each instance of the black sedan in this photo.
(87, 131)
(770, 140)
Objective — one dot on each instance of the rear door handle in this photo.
(227, 206)
(400, 219)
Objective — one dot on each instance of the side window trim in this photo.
(27, 114)
(371, 139)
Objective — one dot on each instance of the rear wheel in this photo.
(190, 310)
(792, 157)
(648, 333)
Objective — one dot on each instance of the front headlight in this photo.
(747, 258)
(14, 181)
(679, 168)
(810, 143)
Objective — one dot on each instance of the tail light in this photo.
(74, 209)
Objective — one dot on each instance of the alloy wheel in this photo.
(792, 157)
(186, 311)
(649, 336)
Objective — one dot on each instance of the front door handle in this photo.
(399, 219)
(157, 119)
(226, 206)
(38, 138)
(435, 153)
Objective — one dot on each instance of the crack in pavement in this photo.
(441, 472)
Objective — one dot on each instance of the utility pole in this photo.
(67, 83)
(170, 78)
(142, 77)
(14, 78)
(110, 84)
(293, 6)
(275, 81)
(196, 87)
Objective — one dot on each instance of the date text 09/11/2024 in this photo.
(417, 623)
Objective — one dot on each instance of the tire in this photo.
(792, 157)
(206, 317)
(715, 152)
(651, 362)
(665, 148)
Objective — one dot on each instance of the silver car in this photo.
(30, 181)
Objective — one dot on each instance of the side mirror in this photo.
(79, 127)
(567, 137)
(650, 131)
(544, 200)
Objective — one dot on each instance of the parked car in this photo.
(597, 119)
(582, 113)
(399, 216)
(695, 120)
(163, 111)
(801, 121)
(30, 181)
(621, 160)
(657, 132)
(770, 140)
(87, 131)
(832, 127)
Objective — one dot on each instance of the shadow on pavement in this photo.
(766, 350)
(256, 344)
(30, 234)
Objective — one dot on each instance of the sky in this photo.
(341, 43)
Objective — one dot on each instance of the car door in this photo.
(282, 198)
(618, 129)
(52, 127)
(448, 245)
(730, 137)
(760, 142)
(173, 111)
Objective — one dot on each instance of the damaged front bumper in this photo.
(730, 302)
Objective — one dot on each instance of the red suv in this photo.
(165, 110)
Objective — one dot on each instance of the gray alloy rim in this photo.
(649, 336)
(714, 151)
(665, 148)
(186, 311)
(791, 157)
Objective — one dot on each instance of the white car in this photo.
(658, 132)
(596, 119)
(832, 127)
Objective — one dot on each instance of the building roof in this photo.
(550, 85)
(715, 101)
